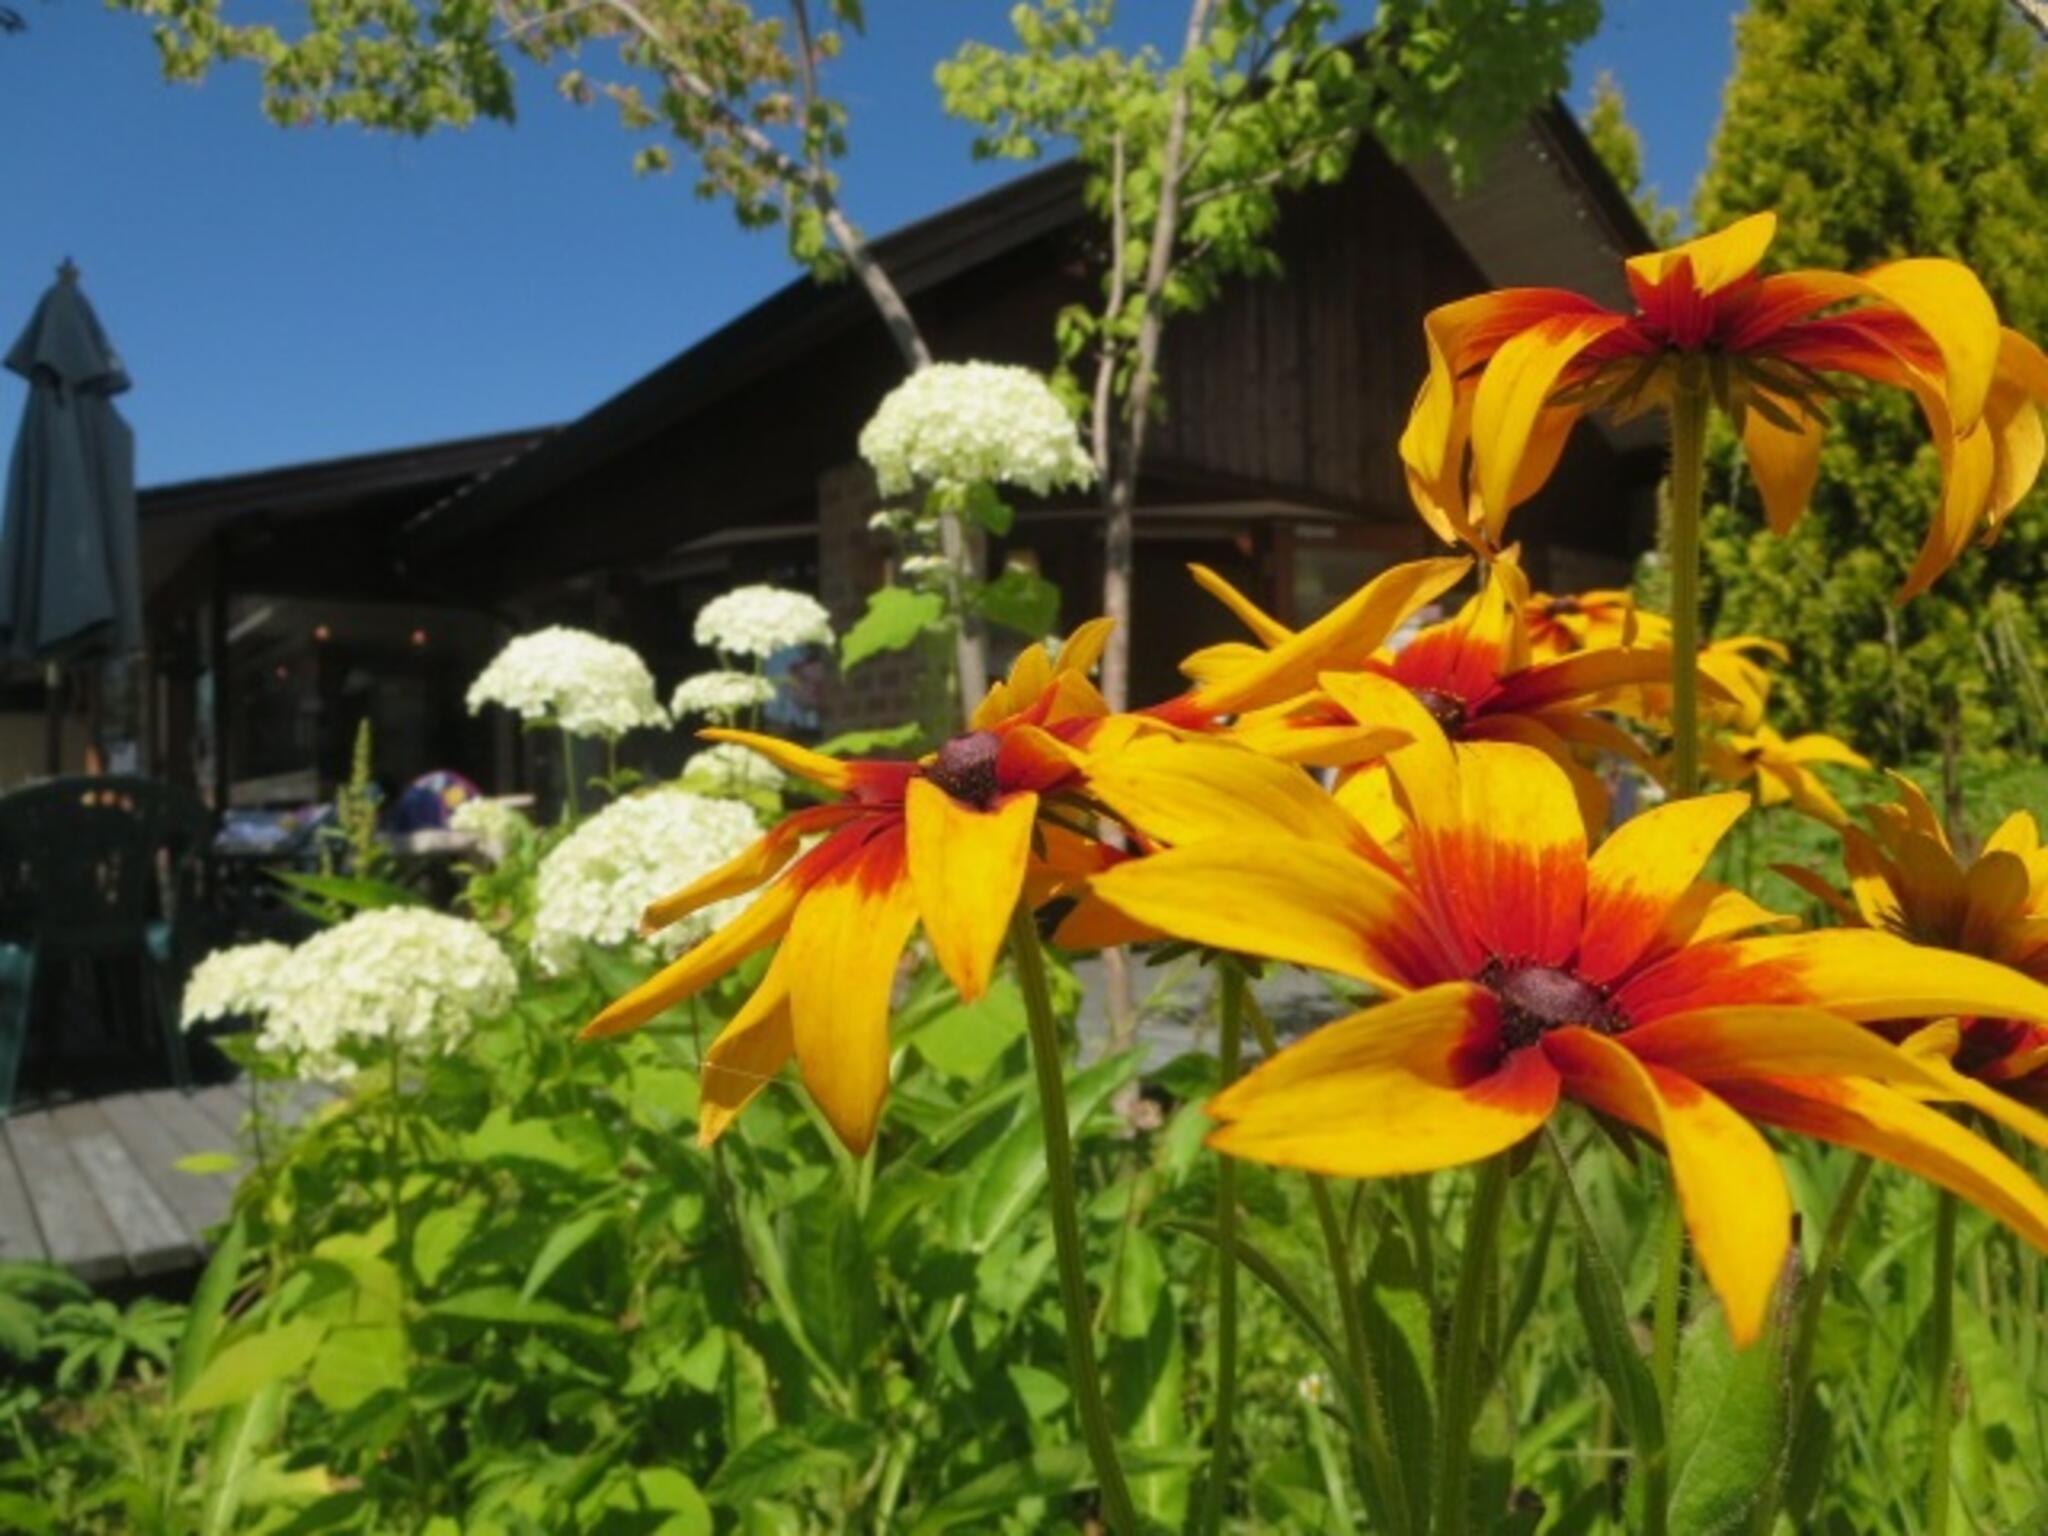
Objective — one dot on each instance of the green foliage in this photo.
(1276, 98)
(895, 618)
(1946, 159)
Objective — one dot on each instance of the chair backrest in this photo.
(97, 858)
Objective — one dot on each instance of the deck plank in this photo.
(227, 1106)
(75, 1227)
(21, 1237)
(158, 1129)
(152, 1238)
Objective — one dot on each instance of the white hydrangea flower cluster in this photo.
(954, 425)
(232, 983)
(723, 696)
(594, 885)
(732, 768)
(407, 974)
(761, 620)
(586, 685)
(495, 824)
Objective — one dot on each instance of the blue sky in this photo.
(281, 296)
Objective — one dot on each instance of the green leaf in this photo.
(252, 1363)
(203, 1163)
(1012, 1173)
(502, 1304)
(1022, 600)
(563, 1244)
(984, 506)
(1728, 1429)
(832, 1279)
(209, 1305)
(1146, 1365)
(1049, 1473)
(788, 1458)
(351, 891)
(355, 1363)
(440, 1236)
(895, 618)
(966, 1040)
(238, 1442)
(571, 1144)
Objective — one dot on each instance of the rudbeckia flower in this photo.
(1519, 971)
(950, 843)
(1781, 771)
(1560, 623)
(1905, 878)
(1511, 373)
(1473, 675)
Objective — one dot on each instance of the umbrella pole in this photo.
(53, 718)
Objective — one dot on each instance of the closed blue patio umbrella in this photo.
(70, 583)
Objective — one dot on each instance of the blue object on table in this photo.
(430, 799)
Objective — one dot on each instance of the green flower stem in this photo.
(1664, 1341)
(1461, 1381)
(1371, 1404)
(1230, 991)
(570, 808)
(1806, 1329)
(1942, 1323)
(1688, 467)
(401, 1253)
(1046, 1059)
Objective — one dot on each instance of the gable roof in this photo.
(1546, 212)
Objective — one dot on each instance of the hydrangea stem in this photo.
(1461, 1355)
(1230, 990)
(569, 805)
(1682, 555)
(1941, 1324)
(1117, 1509)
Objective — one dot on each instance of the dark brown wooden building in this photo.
(736, 460)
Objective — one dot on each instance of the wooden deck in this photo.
(95, 1186)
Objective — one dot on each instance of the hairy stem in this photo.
(1461, 1380)
(1065, 1193)
(1230, 989)
(1688, 464)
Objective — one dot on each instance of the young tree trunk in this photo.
(1120, 487)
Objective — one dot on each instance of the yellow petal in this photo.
(840, 956)
(1730, 1186)
(1934, 1048)
(1783, 464)
(759, 925)
(1180, 791)
(1390, 1091)
(1266, 629)
(1948, 302)
(1514, 392)
(1714, 1045)
(1081, 650)
(832, 772)
(967, 867)
(1344, 636)
(1280, 898)
(1884, 1123)
(745, 1057)
(1640, 873)
(1726, 256)
(1865, 975)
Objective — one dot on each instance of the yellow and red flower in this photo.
(1905, 878)
(1002, 813)
(1781, 771)
(1475, 676)
(1560, 623)
(1511, 373)
(1519, 971)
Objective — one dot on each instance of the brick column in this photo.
(852, 562)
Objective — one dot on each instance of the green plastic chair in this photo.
(106, 872)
